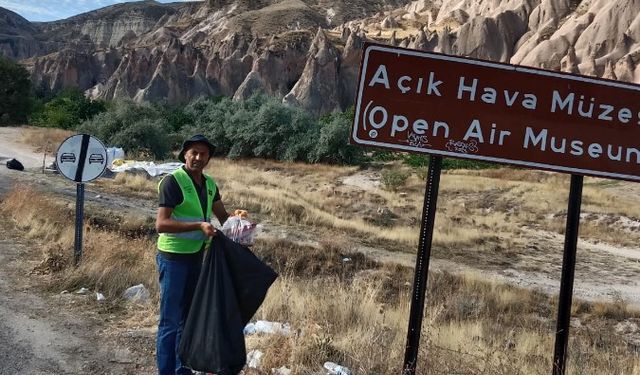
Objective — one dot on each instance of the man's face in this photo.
(197, 157)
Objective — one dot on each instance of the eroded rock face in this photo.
(348, 71)
(278, 67)
(491, 38)
(305, 51)
(318, 88)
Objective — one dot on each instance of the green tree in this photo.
(68, 109)
(333, 145)
(16, 92)
(144, 136)
(137, 128)
(210, 116)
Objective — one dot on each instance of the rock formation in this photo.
(306, 51)
(318, 88)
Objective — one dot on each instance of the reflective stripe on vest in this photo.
(190, 210)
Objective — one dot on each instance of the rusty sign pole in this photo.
(77, 244)
(568, 271)
(422, 265)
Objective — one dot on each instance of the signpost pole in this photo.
(568, 270)
(422, 265)
(77, 254)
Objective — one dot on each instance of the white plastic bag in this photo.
(240, 230)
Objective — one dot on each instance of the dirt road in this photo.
(38, 334)
(11, 147)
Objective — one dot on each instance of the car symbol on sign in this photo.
(96, 158)
(68, 157)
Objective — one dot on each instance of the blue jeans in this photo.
(178, 279)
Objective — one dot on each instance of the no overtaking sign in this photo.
(81, 158)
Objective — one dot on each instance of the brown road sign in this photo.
(451, 106)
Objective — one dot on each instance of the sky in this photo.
(50, 10)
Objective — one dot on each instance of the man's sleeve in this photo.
(169, 193)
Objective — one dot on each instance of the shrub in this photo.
(178, 117)
(16, 97)
(144, 136)
(303, 138)
(383, 156)
(393, 179)
(333, 145)
(422, 162)
(134, 127)
(210, 117)
(68, 109)
(264, 127)
(258, 127)
(415, 160)
(450, 163)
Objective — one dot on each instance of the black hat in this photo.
(198, 138)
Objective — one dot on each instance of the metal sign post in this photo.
(431, 103)
(77, 245)
(81, 158)
(422, 265)
(568, 270)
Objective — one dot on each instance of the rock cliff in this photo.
(307, 52)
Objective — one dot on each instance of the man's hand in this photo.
(242, 213)
(208, 229)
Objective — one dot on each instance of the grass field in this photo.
(356, 312)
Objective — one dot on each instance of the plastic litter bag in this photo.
(233, 284)
(239, 229)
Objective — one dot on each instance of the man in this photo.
(187, 197)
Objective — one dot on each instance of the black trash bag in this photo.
(232, 285)
(14, 164)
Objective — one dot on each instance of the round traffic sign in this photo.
(81, 158)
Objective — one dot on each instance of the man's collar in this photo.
(191, 175)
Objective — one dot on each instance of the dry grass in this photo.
(351, 312)
(112, 260)
(470, 327)
(44, 139)
(480, 220)
(127, 184)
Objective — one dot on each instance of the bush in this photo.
(333, 145)
(16, 92)
(210, 117)
(264, 127)
(450, 163)
(137, 128)
(144, 136)
(422, 162)
(384, 156)
(68, 109)
(393, 179)
(258, 127)
(416, 161)
(177, 117)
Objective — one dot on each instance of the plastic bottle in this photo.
(336, 369)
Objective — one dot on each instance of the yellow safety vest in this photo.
(190, 210)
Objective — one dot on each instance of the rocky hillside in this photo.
(307, 51)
